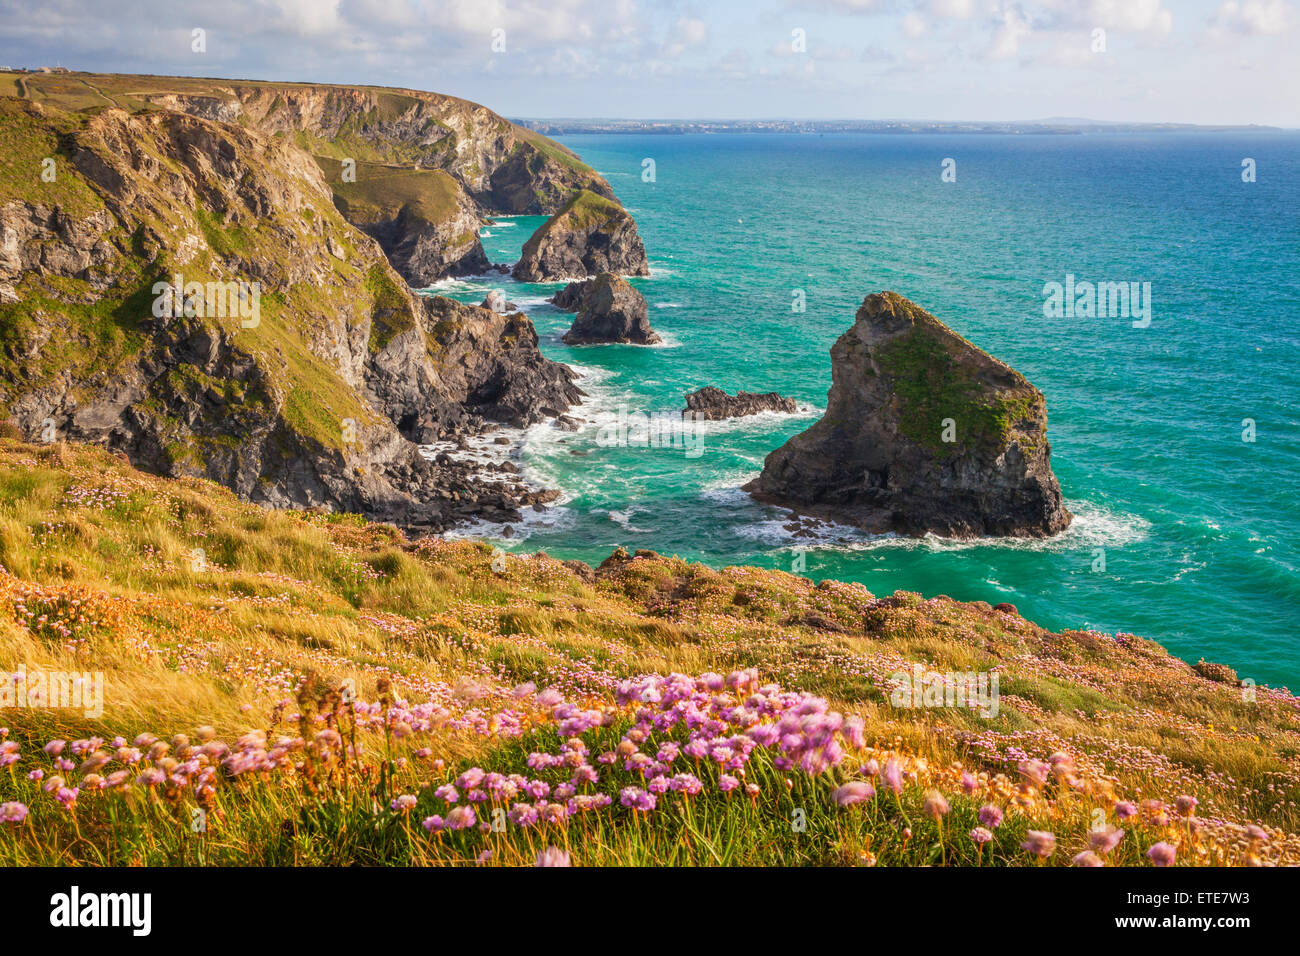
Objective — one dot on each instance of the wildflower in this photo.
(447, 792)
(55, 747)
(1087, 858)
(934, 806)
(553, 857)
(460, 818)
(636, 799)
(1125, 809)
(13, 812)
(36, 774)
(856, 791)
(727, 783)
(404, 803)
(67, 797)
(1162, 854)
(1104, 839)
(893, 776)
(1040, 843)
(981, 835)
(991, 816)
(433, 824)
(969, 783)
(1256, 832)
(1186, 805)
(1034, 771)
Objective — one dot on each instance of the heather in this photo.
(301, 688)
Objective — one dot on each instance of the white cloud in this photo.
(951, 9)
(1254, 17)
(914, 25)
(1013, 25)
(687, 32)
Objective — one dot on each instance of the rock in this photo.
(923, 432)
(495, 301)
(609, 310)
(583, 570)
(713, 404)
(590, 235)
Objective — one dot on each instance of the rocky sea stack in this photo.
(713, 404)
(609, 310)
(923, 432)
(589, 235)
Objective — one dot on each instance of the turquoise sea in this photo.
(1199, 529)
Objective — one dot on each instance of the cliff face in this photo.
(301, 390)
(590, 235)
(424, 168)
(423, 220)
(503, 167)
(923, 432)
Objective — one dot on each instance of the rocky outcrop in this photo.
(292, 366)
(713, 404)
(609, 310)
(423, 219)
(590, 235)
(923, 432)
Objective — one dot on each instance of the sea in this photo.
(1175, 431)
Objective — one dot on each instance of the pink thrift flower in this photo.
(1040, 843)
(857, 791)
(1105, 839)
(1162, 854)
(934, 806)
(991, 816)
(552, 856)
(1087, 858)
(981, 835)
(13, 812)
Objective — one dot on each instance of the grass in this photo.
(216, 620)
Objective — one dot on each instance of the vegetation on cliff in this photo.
(316, 689)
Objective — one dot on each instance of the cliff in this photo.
(395, 140)
(294, 366)
(923, 432)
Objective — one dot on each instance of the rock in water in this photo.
(923, 432)
(609, 310)
(713, 404)
(590, 235)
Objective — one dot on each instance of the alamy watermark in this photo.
(74, 690)
(660, 430)
(1098, 300)
(213, 300)
(973, 690)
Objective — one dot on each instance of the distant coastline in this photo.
(1052, 127)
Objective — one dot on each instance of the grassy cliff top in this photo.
(251, 632)
(381, 191)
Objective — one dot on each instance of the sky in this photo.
(1188, 61)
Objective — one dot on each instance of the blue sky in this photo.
(1203, 61)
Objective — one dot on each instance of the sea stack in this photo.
(609, 311)
(589, 235)
(923, 433)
